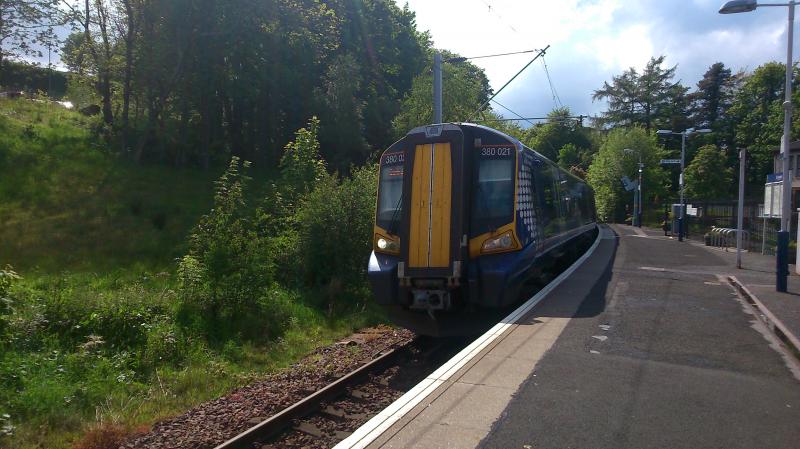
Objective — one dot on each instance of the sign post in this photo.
(740, 218)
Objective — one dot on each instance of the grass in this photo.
(68, 203)
(95, 343)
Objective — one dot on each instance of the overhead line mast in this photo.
(437, 79)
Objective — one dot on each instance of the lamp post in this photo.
(782, 259)
(684, 134)
(637, 199)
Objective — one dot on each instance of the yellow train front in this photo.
(466, 215)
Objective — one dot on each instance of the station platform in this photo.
(644, 345)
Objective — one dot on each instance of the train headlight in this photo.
(499, 243)
(386, 245)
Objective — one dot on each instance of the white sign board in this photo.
(691, 210)
(773, 193)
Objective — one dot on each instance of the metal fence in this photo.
(715, 215)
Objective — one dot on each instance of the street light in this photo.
(637, 199)
(782, 259)
(686, 133)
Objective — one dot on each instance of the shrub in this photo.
(335, 226)
(7, 278)
(229, 266)
(301, 165)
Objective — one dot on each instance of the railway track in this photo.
(329, 415)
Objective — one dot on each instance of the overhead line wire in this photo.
(556, 98)
(509, 110)
(480, 108)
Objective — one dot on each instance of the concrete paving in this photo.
(644, 346)
(758, 275)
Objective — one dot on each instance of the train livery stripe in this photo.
(420, 208)
(431, 188)
(440, 212)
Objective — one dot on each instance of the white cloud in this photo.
(592, 40)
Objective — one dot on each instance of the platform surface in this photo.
(644, 346)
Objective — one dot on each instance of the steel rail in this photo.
(277, 423)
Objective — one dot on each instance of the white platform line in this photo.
(381, 422)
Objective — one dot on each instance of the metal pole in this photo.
(437, 87)
(640, 189)
(797, 265)
(680, 181)
(782, 259)
(740, 219)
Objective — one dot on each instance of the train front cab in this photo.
(507, 206)
(418, 253)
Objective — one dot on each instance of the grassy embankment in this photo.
(99, 331)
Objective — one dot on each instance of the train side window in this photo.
(548, 198)
(493, 194)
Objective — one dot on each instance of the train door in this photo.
(431, 191)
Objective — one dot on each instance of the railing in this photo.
(763, 232)
(726, 238)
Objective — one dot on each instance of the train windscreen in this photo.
(390, 191)
(493, 193)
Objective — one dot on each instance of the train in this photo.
(466, 216)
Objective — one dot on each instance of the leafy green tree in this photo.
(25, 23)
(343, 134)
(576, 160)
(757, 113)
(714, 96)
(301, 166)
(708, 176)
(464, 88)
(650, 99)
(559, 130)
(612, 162)
(236, 78)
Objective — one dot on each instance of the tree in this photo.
(649, 99)
(757, 112)
(343, 136)
(713, 98)
(611, 163)
(559, 130)
(25, 23)
(708, 176)
(196, 81)
(90, 49)
(464, 88)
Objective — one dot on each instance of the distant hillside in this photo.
(65, 202)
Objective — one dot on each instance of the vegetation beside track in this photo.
(111, 317)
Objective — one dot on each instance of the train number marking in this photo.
(394, 158)
(495, 151)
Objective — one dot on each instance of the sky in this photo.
(593, 40)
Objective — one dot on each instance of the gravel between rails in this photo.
(213, 422)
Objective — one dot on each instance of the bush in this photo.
(335, 226)
(7, 279)
(312, 230)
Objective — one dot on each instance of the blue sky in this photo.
(592, 40)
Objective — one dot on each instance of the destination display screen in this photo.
(392, 164)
